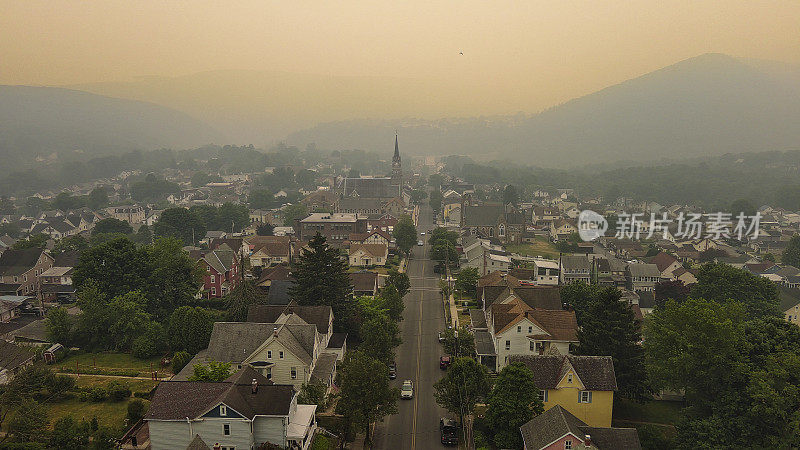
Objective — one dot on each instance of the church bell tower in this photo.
(397, 169)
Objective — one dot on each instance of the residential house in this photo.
(20, 270)
(491, 220)
(130, 214)
(542, 215)
(583, 385)
(242, 412)
(642, 277)
(484, 256)
(10, 307)
(384, 223)
(56, 282)
(221, 271)
(518, 329)
(375, 236)
(558, 429)
(574, 268)
(667, 264)
(546, 272)
(13, 358)
(364, 255)
(271, 253)
(562, 229)
(364, 283)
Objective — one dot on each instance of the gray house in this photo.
(642, 277)
(574, 268)
(243, 412)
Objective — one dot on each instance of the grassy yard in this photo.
(540, 247)
(110, 361)
(136, 385)
(111, 414)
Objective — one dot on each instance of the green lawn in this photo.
(110, 360)
(111, 414)
(540, 247)
(136, 385)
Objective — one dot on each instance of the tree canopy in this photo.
(513, 401)
(405, 234)
(365, 395)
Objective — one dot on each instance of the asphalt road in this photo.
(416, 425)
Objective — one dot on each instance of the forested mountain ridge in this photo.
(50, 123)
(708, 105)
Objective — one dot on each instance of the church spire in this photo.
(396, 158)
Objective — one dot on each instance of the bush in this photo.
(321, 443)
(151, 343)
(83, 396)
(118, 391)
(97, 394)
(179, 361)
(136, 410)
(143, 394)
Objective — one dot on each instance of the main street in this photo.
(416, 425)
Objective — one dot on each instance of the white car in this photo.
(422, 234)
(420, 243)
(407, 391)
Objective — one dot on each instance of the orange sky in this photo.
(548, 51)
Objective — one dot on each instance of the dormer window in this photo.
(223, 410)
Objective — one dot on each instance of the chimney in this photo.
(254, 386)
(275, 331)
(587, 441)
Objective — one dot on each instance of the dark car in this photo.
(449, 431)
(444, 362)
(392, 371)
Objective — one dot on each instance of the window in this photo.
(530, 329)
(568, 444)
(223, 410)
(519, 329)
(294, 373)
(269, 354)
(569, 378)
(508, 345)
(213, 291)
(585, 397)
(269, 373)
(533, 345)
(226, 429)
(213, 279)
(543, 395)
(280, 354)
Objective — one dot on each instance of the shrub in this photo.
(179, 361)
(97, 394)
(83, 396)
(118, 391)
(321, 443)
(151, 343)
(136, 410)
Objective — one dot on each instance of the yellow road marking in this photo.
(416, 377)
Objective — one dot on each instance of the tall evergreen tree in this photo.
(609, 328)
(321, 279)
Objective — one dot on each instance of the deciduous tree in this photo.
(721, 282)
(464, 385)
(365, 395)
(513, 401)
(405, 234)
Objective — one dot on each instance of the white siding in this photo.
(169, 435)
(269, 429)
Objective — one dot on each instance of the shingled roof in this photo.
(595, 372)
(176, 400)
(317, 315)
(17, 262)
(556, 422)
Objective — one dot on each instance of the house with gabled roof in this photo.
(518, 329)
(221, 271)
(363, 255)
(666, 264)
(20, 270)
(244, 411)
(583, 385)
(558, 429)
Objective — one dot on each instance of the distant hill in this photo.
(708, 105)
(42, 122)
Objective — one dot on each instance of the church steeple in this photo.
(397, 169)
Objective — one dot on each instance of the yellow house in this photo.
(583, 385)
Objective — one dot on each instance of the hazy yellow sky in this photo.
(549, 50)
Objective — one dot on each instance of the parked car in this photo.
(449, 431)
(422, 234)
(420, 243)
(392, 370)
(441, 336)
(444, 362)
(407, 391)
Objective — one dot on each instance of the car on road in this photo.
(420, 243)
(392, 370)
(407, 391)
(422, 234)
(449, 431)
(444, 362)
